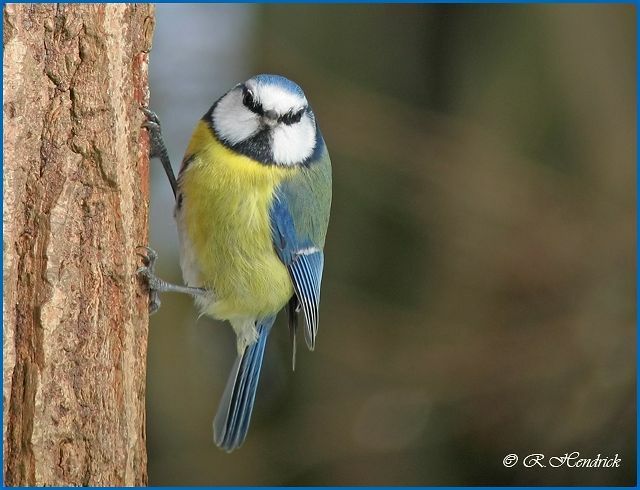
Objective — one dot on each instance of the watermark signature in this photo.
(569, 460)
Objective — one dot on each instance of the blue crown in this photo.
(279, 81)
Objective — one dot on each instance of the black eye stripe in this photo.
(291, 117)
(249, 101)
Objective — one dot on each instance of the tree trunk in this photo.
(74, 210)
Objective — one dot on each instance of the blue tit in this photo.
(253, 197)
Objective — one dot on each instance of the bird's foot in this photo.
(157, 285)
(147, 271)
(156, 141)
(157, 148)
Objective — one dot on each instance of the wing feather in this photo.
(299, 219)
(306, 272)
(304, 261)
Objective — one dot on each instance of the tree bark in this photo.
(75, 208)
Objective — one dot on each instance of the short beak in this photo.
(270, 118)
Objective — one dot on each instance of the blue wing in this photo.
(299, 220)
(304, 260)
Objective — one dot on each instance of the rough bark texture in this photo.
(75, 207)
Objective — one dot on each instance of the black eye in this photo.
(247, 98)
(292, 117)
(250, 102)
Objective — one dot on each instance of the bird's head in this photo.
(266, 118)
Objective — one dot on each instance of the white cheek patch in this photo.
(232, 121)
(295, 143)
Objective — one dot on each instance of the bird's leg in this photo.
(157, 285)
(157, 147)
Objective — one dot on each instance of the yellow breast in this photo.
(224, 217)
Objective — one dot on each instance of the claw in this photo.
(154, 304)
(157, 148)
(147, 272)
(151, 253)
(152, 122)
(151, 125)
(151, 116)
(152, 283)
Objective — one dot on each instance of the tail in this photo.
(234, 412)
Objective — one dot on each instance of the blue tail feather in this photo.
(231, 423)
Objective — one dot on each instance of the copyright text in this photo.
(569, 460)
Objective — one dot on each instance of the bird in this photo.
(252, 206)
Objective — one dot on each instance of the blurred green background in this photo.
(478, 297)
